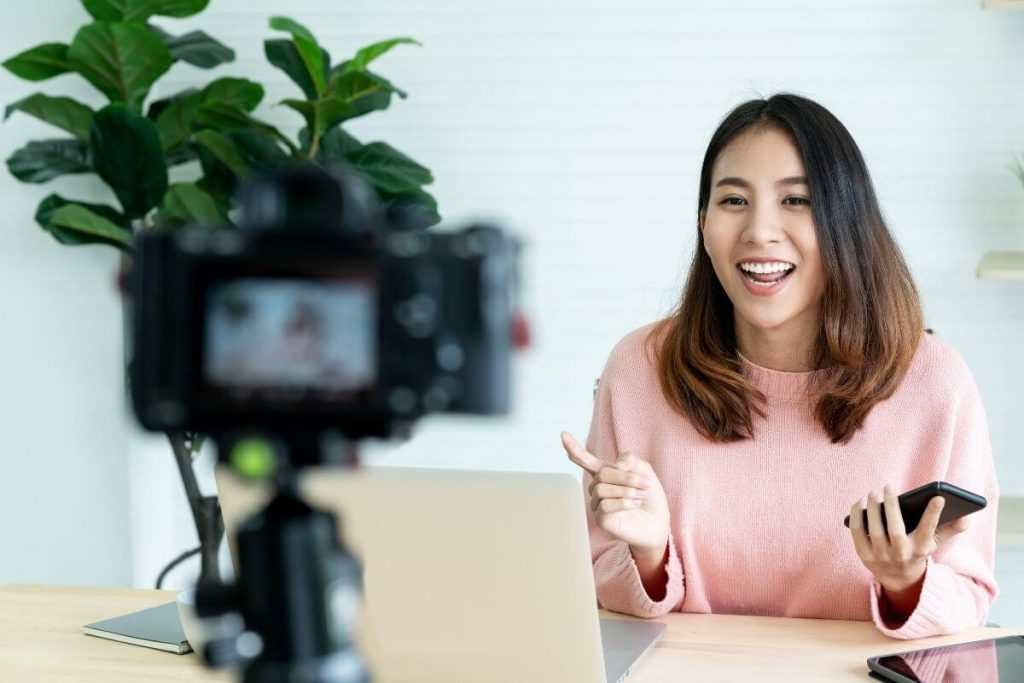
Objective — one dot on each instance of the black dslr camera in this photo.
(322, 320)
(320, 313)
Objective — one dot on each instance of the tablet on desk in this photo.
(996, 660)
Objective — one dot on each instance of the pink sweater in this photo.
(757, 525)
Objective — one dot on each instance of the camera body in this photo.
(319, 313)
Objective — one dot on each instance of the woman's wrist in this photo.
(906, 581)
(651, 565)
(651, 557)
(900, 597)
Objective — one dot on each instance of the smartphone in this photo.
(959, 503)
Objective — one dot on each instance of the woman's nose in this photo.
(764, 226)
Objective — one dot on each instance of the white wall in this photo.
(582, 126)
(64, 480)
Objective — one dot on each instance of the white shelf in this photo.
(1010, 523)
(1001, 265)
(1002, 4)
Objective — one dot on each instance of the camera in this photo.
(325, 318)
(320, 311)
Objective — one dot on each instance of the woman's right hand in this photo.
(627, 500)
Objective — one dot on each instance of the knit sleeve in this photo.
(616, 576)
(959, 583)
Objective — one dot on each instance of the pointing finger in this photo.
(579, 455)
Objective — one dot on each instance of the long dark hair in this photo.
(871, 321)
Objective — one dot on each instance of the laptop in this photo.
(468, 576)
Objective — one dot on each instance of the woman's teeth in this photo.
(766, 273)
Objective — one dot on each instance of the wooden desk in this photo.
(41, 640)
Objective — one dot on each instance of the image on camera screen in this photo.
(268, 335)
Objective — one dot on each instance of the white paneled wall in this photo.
(581, 125)
(64, 514)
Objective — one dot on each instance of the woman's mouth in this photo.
(765, 279)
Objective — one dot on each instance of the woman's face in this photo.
(759, 232)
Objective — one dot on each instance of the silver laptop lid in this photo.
(625, 641)
(469, 576)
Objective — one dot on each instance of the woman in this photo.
(793, 385)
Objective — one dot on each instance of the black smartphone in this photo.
(959, 502)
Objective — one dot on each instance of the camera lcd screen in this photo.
(290, 338)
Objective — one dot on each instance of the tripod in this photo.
(298, 589)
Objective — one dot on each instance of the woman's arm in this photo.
(644, 583)
(958, 584)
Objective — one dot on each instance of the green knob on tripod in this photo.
(254, 458)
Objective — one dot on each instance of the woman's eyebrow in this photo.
(740, 182)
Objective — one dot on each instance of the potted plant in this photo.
(131, 142)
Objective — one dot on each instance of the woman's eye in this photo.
(797, 200)
(733, 201)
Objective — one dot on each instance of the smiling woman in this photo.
(729, 440)
(784, 182)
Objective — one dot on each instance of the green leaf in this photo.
(293, 27)
(223, 150)
(258, 149)
(49, 206)
(63, 112)
(181, 8)
(365, 91)
(321, 115)
(121, 60)
(225, 117)
(284, 55)
(40, 62)
(235, 92)
(77, 218)
(180, 155)
(157, 107)
(308, 49)
(217, 180)
(176, 116)
(127, 154)
(230, 97)
(41, 160)
(305, 108)
(353, 94)
(174, 124)
(331, 111)
(196, 48)
(335, 145)
(188, 203)
(141, 10)
(421, 204)
(121, 10)
(372, 52)
(390, 171)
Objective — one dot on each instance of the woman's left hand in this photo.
(897, 559)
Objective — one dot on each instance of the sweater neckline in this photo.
(780, 385)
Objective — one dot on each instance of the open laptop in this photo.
(469, 576)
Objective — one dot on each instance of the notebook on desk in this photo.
(468, 576)
(157, 627)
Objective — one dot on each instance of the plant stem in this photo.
(314, 148)
(205, 509)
